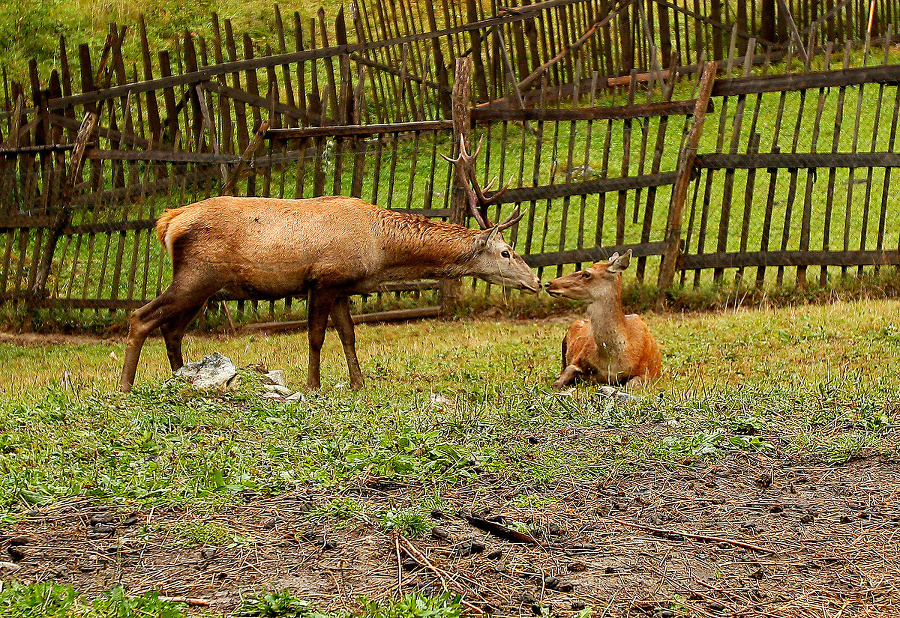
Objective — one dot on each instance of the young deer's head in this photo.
(594, 283)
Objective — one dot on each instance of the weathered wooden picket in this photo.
(586, 105)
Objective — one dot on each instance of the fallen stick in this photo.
(399, 566)
(500, 530)
(698, 537)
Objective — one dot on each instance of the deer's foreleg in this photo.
(340, 315)
(567, 376)
(318, 306)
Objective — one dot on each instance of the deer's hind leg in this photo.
(173, 334)
(169, 308)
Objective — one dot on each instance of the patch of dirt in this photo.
(743, 536)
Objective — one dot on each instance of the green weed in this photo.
(50, 600)
(284, 605)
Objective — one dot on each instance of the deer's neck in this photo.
(608, 323)
(420, 247)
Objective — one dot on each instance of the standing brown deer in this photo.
(609, 347)
(327, 247)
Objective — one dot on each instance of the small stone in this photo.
(298, 396)
(757, 574)
(664, 613)
(578, 605)
(470, 547)
(19, 540)
(16, 553)
(132, 520)
(674, 536)
(528, 598)
(103, 518)
(208, 553)
(495, 555)
(565, 587)
(845, 519)
(610, 570)
(87, 568)
(330, 544)
(105, 528)
(807, 518)
(551, 583)
(9, 567)
(576, 567)
(410, 564)
(441, 533)
(776, 508)
(554, 529)
(283, 391)
(438, 514)
(276, 376)
(269, 523)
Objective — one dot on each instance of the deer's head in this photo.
(594, 283)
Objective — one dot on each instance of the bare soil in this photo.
(743, 536)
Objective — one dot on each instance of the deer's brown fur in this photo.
(608, 347)
(326, 247)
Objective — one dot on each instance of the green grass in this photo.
(440, 398)
(49, 600)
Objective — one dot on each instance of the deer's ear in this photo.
(484, 238)
(619, 263)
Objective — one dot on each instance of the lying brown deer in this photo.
(609, 347)
(327, 247)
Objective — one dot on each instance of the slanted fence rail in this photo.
(591, 108)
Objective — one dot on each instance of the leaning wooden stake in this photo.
(679, 192)
(258, 138)
(462, 128)
(64, 213)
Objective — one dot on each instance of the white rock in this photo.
(214, 371)
(276, 376)
(276, 388)
(9, 567)
(298, 396)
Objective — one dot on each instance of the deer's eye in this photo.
(504, 254)
(586, 275)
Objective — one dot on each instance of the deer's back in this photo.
(272, 246)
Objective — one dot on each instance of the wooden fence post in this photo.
(451, 289)
(680, 190)
(64, 213)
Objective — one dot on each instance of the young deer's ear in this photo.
(484, 238)
(619, 263)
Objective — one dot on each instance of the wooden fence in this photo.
(699, 171)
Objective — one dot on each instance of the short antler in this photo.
(464, 164)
